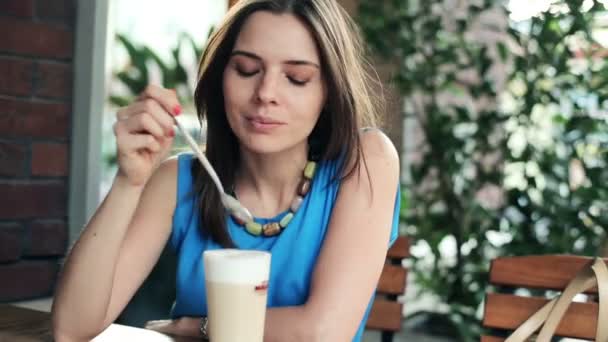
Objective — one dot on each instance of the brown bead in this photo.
(271, 229)
(238, 220)
(303, 187)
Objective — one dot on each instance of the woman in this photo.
(281, 85)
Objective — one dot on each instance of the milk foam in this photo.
(236, 266)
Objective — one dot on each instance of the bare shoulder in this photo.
(379, 151)
(168, 168)
(166, 171)
(158, 199)
(164, 180)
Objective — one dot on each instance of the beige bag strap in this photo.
(529, 326)
(594, 272)
(601, 272)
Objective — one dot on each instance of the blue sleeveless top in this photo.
(294, 251)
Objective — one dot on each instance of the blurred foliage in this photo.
(136, 73)
(142, 66)
(512, 118)
(559, 105)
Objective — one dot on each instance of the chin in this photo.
(264, 149)
(267, 145)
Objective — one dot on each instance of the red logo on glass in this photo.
(262, 287)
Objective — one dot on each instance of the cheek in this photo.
(227, 88)
(232, 93)
(311, 106)
(237, 92)
(230, 107)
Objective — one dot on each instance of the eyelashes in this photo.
(246, 73)
(296, 81)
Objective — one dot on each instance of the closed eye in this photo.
(246, 73)
(296, 81)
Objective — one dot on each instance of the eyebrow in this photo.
(290, 62)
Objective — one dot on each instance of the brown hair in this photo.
(351, 103)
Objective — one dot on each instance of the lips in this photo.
(263, 125)
(264, 120)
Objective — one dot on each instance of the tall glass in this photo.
(236, 286)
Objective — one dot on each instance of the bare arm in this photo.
(123, 240)
(345, 277)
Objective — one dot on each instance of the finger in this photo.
(122, 113)
(154, 108)
(163, 326)
(159, 322)
(165, 144)
(136, 142)
(166, 98)
(125, 113)
(145, 123)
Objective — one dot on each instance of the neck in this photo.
(267, 183)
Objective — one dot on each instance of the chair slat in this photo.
(385, 315)
(486, 338)
(537, 271)
(392, 280)
(509, 312)
(400, 248)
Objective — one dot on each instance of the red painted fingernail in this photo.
(171, 133)
(177, 110)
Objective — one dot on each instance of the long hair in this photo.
(351, 102)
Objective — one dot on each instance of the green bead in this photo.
(285, 220)
(253, 228)
(309, 170)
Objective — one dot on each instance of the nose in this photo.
(266, 92)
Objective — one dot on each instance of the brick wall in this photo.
(36, 49)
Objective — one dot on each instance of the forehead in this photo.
(277, 36)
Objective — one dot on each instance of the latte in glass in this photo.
(236, 286)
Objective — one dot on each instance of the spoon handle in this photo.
(200, 155)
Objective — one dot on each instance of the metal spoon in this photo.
(230, 203)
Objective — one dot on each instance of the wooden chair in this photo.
(386, 312)
(505, 312)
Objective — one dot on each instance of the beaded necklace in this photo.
(275, 228)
